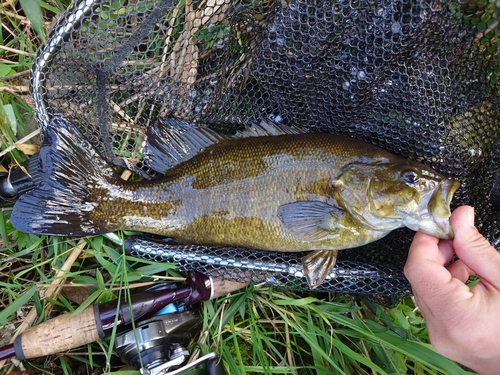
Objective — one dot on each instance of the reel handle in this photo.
(214, 367)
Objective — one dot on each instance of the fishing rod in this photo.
(69, 331)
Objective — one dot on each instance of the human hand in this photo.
(463, 322)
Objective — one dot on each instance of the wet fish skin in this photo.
(291, 192)
(230, 195)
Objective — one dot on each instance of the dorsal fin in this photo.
(267, 128)
(171, 141)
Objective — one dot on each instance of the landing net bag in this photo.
(419, 79)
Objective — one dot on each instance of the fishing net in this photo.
(419, 79)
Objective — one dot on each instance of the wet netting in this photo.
(419, 79)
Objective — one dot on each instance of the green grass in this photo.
(255, 331)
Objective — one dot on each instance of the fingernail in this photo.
(469, 216)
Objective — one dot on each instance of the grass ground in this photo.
(255, 331)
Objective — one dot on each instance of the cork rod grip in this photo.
(222, 287)
(59, 334)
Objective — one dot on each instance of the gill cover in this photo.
(373, 207)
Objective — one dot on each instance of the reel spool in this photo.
(158, 346)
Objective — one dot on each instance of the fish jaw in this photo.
(434, 212)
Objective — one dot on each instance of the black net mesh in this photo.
(271, 268)
(419, 79)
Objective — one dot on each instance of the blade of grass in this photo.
(33, 11)
(3, 230)
(418, 351)
(16, 305)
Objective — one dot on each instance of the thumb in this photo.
(472, 248)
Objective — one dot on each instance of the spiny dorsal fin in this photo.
(267, 128)
(171, 141)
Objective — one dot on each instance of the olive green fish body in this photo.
(231, 194)
(285, 192)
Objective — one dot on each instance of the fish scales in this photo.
(286, 192)
(230, 194)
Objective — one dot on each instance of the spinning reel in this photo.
(158, 346)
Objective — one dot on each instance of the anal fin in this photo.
(317, 265)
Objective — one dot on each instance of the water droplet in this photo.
(475, 152)
(396, 28)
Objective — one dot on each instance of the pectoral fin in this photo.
(309, 220)
(317, 265)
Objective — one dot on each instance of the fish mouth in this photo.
(438, 208)
(434, 212)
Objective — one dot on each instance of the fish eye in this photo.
(410, 177)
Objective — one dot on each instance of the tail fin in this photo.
(70, 167)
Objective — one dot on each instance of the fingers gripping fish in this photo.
(269, 187)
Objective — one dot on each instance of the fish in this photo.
(270, 187)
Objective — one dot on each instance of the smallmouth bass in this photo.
(268, 188)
